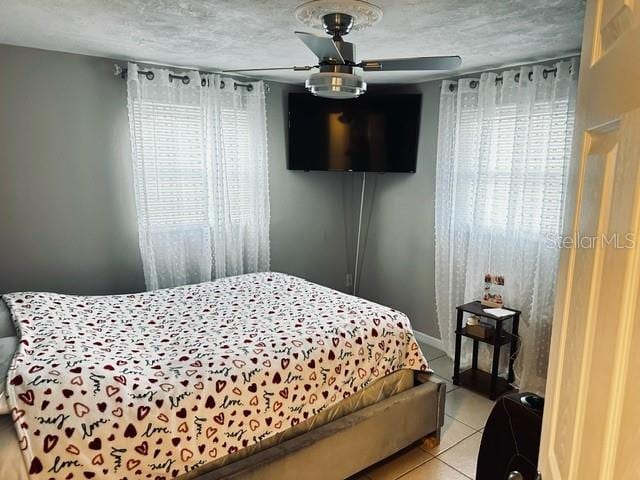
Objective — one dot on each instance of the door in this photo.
(591, 427)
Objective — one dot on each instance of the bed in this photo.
(254, 376)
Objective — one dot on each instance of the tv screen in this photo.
(372, 133)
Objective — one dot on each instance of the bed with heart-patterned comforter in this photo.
(157, 384)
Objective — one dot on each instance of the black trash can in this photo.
(511, 438)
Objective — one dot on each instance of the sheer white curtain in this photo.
(238, 159)
(199, 150)
(504, 147)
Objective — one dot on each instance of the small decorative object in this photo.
(493, 286)
(481, 330)
(473, 320)
(477, 328)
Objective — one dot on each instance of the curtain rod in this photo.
(516, 78)
(118, 71)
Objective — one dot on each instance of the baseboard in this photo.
(429, 340)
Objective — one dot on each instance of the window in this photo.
(513, 163)
(200, 169)
(504, 151)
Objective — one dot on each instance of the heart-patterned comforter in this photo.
(157, 384)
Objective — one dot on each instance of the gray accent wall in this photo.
(67, 211)
(399, 259)
(314, 219)
(310, 225)
(68, 219)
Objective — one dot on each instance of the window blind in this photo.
(171, 168)
(514, 161)
(235, 140)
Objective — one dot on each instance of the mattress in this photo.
(8, 345)
(12, 466)
(165, 383)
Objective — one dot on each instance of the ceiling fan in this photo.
(336, 61)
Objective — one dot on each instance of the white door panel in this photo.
(592, 419)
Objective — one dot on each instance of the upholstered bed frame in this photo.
(351, 443)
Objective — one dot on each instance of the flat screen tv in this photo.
(372, 133)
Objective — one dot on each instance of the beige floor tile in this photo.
(434, 470)
(437, 379)
(468, 407)
(429, 352)
(450, 386)
(398, 464)
(453, 432)
(443, 367)
(464, 455)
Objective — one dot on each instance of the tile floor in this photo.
(455, 457)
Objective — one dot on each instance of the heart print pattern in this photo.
(157, 384)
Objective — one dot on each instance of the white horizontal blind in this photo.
(235, 141)
(513, 159)
(200, 160)
(171, 167)
(504, 147)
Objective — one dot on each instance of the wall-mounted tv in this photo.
(372, 133)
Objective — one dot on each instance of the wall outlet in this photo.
(348, 280)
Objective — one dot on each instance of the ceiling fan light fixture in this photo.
(336, 85)
(337, 58)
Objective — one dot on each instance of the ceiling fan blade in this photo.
(294, 68)
(324, 47)
(415, 63)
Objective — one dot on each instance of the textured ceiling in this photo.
(225, 34)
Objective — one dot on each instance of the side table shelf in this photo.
(504, 339)
(488, 384)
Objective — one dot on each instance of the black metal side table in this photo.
(489, 384)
